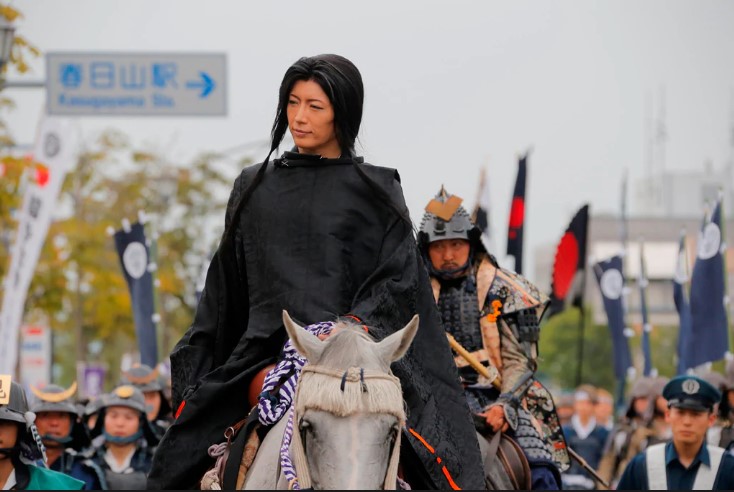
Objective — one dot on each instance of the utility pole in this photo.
(661, 137)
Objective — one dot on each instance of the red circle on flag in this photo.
(564, 268)
(517, 212)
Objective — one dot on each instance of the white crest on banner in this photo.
(135, 259)
(55, 150)
(709, 241)
(612, 284)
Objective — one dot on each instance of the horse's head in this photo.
(349, 408)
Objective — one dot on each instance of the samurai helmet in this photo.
(54, 398)
(14, 408)
(128, 396)
(445, 218)
(143, 377)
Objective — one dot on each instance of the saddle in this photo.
(509, 454)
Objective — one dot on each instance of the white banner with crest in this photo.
(55, 150)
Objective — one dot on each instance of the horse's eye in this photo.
(393, 435)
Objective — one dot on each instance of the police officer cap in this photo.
(691, 392)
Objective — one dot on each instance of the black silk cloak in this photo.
(316, 240)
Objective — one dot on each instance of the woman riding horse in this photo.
(322, 234)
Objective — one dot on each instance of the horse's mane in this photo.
(346, 379)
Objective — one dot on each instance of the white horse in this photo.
(348, 413)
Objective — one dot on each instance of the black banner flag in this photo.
(134, 254)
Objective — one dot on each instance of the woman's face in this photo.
(311, 120)
(121, 421)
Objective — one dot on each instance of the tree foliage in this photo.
(79, 287)
(559, 351)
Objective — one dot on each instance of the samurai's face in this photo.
(53, 424)
(121, 421)
(449, 254)
(8, 436)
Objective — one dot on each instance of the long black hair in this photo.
(341, 81)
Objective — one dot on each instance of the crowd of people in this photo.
(62, 442)
(321, 234)
(610, 444)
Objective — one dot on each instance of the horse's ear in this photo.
(307, 344)
(394, 347)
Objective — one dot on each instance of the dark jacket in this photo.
(315, 239)
(80, 467)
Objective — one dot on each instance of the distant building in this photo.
(677, 202)
(683, 194)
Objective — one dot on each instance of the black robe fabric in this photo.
(316, 240)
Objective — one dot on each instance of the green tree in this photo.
(12, 168)
(559, 357)
(79, 283)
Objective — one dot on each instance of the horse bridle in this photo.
(352, 375)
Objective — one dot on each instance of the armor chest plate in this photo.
(460, 313)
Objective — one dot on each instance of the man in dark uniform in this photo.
(494, 314)
(686, 463)
(151, 384)
(64, 435)
(126, 453)
(586, 437)
(22, 454)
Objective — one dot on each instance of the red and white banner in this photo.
(55, 150)
(35, 356)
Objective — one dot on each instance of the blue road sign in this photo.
(136, 84)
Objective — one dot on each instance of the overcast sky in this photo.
(450, 86)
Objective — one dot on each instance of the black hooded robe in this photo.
(315, 239)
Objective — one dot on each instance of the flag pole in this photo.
(582, 311)
(622, 382)
(726, 272)
(580, 365)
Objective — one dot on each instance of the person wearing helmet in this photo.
(21, 447)
(655, 428)
(493, 314)
(149, 382)
(64, 435)
(126, 452)
(91, 412)
(616, 450)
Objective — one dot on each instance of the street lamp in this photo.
(7, 36)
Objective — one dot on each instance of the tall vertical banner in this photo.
(611, 284)
(682, 305)
(54, 150)
(134, 255)
(517, 215)
(646, 326)
(709, 335)
(480, 217)
(569, 265)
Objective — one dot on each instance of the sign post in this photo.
(136, 84)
